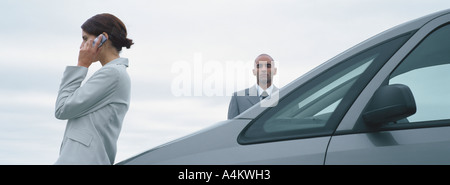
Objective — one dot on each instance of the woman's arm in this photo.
(74, 101)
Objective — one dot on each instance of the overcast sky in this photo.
(195, 42)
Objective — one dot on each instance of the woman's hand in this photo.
(88, 53)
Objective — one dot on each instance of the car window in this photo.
(426, 72)
(315, 108)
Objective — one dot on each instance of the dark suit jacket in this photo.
(243, 100)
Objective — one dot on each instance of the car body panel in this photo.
(218, 144)
(411, 146)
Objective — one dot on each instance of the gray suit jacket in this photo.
(95, 112)
(243, 100)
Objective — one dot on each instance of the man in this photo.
(264, 71)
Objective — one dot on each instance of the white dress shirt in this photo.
(261, 90)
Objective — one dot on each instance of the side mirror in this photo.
(390, 103)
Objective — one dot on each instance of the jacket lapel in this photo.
(252, 95)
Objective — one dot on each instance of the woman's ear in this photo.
(106, 35)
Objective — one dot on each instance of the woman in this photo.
(95, 111)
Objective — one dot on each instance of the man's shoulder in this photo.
(251, 91)
(242, 92)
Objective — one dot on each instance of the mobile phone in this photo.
(101, 42)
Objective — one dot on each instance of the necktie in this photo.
(264, 95)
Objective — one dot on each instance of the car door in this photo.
(299, 128)
(422, 138)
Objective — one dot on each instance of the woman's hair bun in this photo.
(128, 43)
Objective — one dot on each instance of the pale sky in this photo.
(40, 38)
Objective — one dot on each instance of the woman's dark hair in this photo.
(113, 26)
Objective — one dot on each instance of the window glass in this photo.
(314, 108)
(426, 71)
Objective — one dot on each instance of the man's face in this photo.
(264, 70)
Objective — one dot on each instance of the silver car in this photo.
(383, 101)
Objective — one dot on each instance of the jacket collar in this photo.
(119, 61)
